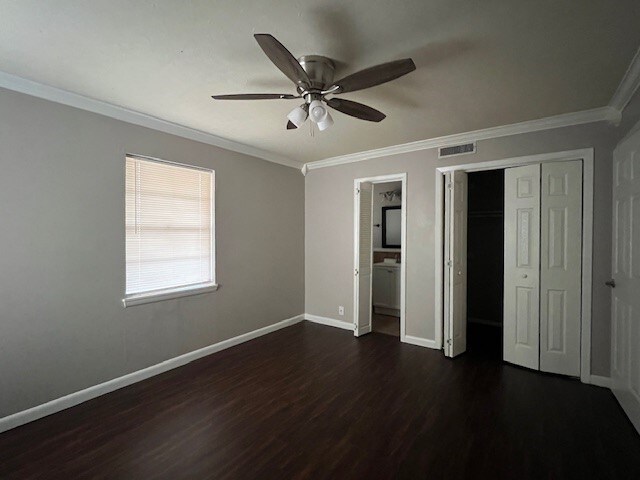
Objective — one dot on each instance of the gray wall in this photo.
(329, 226)
(62, 324)
(62, 247)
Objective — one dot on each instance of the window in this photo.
(169, 230)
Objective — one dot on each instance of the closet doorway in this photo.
(547, 215)
(485, 263)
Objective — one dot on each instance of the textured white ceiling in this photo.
(480, 63)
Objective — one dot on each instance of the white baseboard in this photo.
(332, 322)
(600, 381)
(631, 406)
(62, 403)
(421, 342)
(363, 331)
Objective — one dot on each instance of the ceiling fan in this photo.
(313, 78)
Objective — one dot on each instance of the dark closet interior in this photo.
(485, 263)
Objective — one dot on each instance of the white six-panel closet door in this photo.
(457, 264)
(522, 266)
(561, 267)
(364, 239)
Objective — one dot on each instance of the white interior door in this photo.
(456, 263)
(363, 256)
(561, 267)
(522, 266)
(625, 331)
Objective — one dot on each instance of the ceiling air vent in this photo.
(453, 150)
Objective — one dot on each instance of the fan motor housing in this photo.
(320, 70)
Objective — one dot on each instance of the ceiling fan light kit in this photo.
(298, 115)
(313, 76)
(325, 123)
(320, 115)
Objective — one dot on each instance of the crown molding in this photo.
(628, 86)
(611, 113)
(603, 114)
(64, 97)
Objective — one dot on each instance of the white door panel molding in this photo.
(522, 266)
(561, 267)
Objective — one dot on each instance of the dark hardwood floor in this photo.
(314, 402)
(385, 324)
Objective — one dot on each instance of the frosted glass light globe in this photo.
(317, 111)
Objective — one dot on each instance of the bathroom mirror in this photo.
(391, 222)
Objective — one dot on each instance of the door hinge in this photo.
(358, 191)
(449, 341)
(450, 263)
(356, 272)
(449, 186)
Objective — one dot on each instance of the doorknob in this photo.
(611, 283)
(524, 275)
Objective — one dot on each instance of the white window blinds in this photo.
(169, 226)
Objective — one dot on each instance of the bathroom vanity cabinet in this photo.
(386, 288)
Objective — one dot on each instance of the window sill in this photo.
(160, 295)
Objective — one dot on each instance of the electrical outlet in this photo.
(341, 310)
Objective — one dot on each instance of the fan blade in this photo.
(255, 96)
(291, 125)
(370, 77)
(356, 109)
(282, 58)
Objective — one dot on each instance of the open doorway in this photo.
(387, 258)
(379, 255)
(485, 263)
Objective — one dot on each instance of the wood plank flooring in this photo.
(313, 402)
(385, 324)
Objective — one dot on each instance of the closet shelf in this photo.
(482, 321)
(495, 214)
